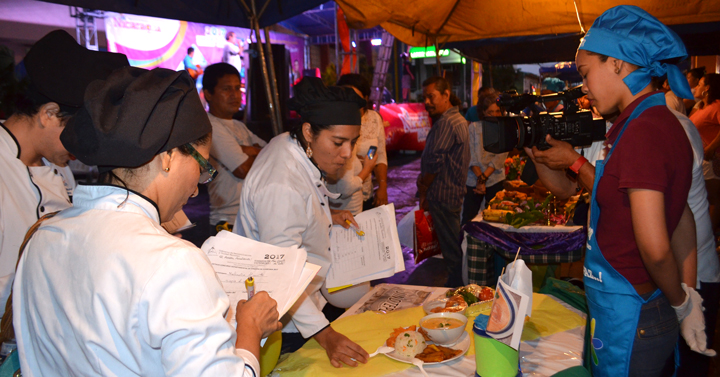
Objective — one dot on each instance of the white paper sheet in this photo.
(357, 259)
(280, 271)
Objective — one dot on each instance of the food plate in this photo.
(463, 344)
(439, 303)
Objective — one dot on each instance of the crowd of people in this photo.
(99, 286)
(153, 143)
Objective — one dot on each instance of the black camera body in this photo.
(572, 125)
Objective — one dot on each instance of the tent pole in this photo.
(247, 9)
(465, 82)
(337, 47)
(273, 81)
(256, 26)
(352, 52)
(438, 67)
(397, 45)
(267, 2)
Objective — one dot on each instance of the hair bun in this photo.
(334, 105)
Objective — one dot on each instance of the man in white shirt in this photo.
(34, 179)
(671, 99)
(232, 51)
(234, 147)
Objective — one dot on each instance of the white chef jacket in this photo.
(226, 155)
(285, 202)
(103, 289)
(26, 194)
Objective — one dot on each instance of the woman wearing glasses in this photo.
(102, 288)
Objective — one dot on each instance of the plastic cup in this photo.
(493, 358)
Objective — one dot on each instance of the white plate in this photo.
(438, 303)
(462, 344)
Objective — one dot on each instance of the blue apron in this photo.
(613, 302)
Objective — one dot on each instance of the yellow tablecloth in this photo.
(371, 329)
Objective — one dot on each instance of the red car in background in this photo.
(408, 127)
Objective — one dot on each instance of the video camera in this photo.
(572, 125)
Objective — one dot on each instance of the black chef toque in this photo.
(319, 104)
(59, 69)
(134, 115)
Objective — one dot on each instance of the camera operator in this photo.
(708, 269)
(642, 248)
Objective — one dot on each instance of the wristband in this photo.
(575, 167)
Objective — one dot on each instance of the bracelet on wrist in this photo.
(575, 167)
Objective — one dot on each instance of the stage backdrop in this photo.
(151, 42)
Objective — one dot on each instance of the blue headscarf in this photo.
(631, 34)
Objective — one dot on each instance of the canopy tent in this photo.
(549, 48)
(217, 12)
(517, 31)
(252, 14)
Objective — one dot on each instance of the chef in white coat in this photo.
(34, 178)
(284, 201)
(102, 288)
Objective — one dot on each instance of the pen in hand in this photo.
(250, 287)
(355, 228)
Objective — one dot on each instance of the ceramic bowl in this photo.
(444, 337)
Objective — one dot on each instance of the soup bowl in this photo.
(444, 329)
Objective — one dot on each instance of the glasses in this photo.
(207, 171)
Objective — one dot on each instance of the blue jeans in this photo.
(653, 352)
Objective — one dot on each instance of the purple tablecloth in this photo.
(484, 240)
(529, 243)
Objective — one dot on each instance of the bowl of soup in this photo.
(444, 328)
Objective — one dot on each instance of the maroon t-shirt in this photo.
(654, 153)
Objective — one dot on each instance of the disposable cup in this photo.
(493, 358)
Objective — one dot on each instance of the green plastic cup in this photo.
(493, 358)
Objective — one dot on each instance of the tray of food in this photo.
(472, 296)
(519, 209)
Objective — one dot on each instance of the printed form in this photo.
(280, 271)
(377, 254)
